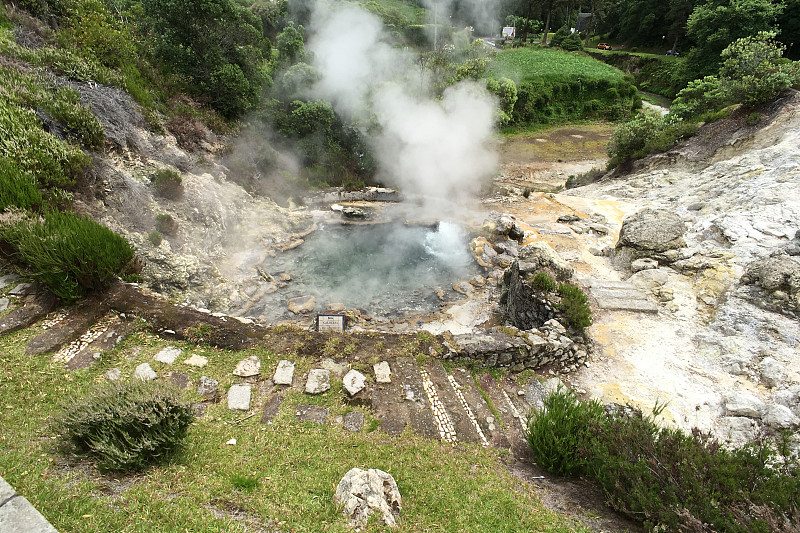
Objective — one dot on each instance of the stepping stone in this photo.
(17, 515)
(4, 303)
(393, 426)
(168, 355)
(114, 331)
(7, 280)
(337, 370)
(196, 360)
(239, 397)
(354, 382)
(30, 312)
(179, 379)
(23, 289)
(382, 372)
(319, 381)
(312, 413)
(465, 428)
(353, 421)
(284, 374)
(113, 374)
(271, 408)
(248, 367)
(208, 387)
(621, 296)
(144, 372)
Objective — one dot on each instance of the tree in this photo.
(715, 24)
(217, 45)
(291, 48)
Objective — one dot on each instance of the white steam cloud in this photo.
(438, 148)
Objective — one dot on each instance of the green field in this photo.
(550, 66)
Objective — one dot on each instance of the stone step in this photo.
(95, 342)
(465, 428)
(609, 284)
(626, 304)
(79, 319)
(490, 430)
(512, 422)
(628, 293)
(32, 309)
(403, 402)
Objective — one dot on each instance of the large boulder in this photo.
(538, 255)
(652, 230)
(779, 276)
(363, 492)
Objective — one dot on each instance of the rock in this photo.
(383, 373)
(144, 372)
(271, 408)
(363, 492)
(649, 279)
(285, 276)
(113, 374)
(354, 382)
(23, 289)
(656, 230)
(337, 370)
(302, 304)
(336, 307)
(353, 421)
(208, 387)
(4, 303)
(644, 263)
(552, 385)
(248, 367)
(231, 442)
(284, 374)
(168, 355)
(239, 397)
(543, 256)
(780, 277)
(319, 381)
(780, 416)
(772, 373)
(312, 413)
(743, 404)
(196, 360)
(7, 280)
(179, 379)
(556, 326)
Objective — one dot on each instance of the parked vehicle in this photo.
(604, 46)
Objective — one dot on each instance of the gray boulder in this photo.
(363, 492)
(779, 276)
(743, 404)
(652, 230)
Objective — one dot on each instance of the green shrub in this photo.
(126, 426)
(166, 224)
(753, 118)
(575, 306)
(155, 238)
(572, 43)
(168, 183)
(17, 189)
(629, 139)
(69, 253)
(666, 138)
(559, 36)
(698, 97)
(542, 281)
(559, 436)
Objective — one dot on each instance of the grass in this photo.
(534, 64)
(210, 487)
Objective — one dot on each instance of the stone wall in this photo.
(525, 307)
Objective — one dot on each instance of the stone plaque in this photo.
(330, 322)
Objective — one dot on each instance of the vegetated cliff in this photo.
(724, 347)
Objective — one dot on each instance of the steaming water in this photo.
(383, 269)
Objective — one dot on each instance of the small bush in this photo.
(575, 306)
(69, 253)
(666, 138)
(155, 238)
(543, 282)
(629, 139)
(17, 189)
(126, 426)
(166, 224)
(572, 43)
(753, 118)
(698, 97)
(168, 183)
(558, 434)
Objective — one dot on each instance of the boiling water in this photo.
(383, 269)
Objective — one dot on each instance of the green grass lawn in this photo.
(550, 66)
(280, 476)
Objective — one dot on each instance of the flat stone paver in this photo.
(145, 372)
(4, 303)
(383, 374)
(168, 355)
(196, 360)
(248, 367)
(354, 382)
(17, 515)
(284, 374)
(621, 296)
(271, 408)
(239, 397)
(7, 280)
(353, 421)
(319, 381)
(312, 413)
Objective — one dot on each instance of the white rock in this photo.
(772, 373)
(383, 374)
(168, 355)
(336, 369)
(231, 442)
(284, 374)
(144, 372)
(196, 360)
(319, 381)
(780, 416)
(113, 374)
(363, 492)
(239, 397)
(354, 382)
(248, 367)
(743, 404)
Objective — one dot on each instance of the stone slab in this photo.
(608, 284)
(4, 303)
(628, 294)
(17, 515)
(490, 427)
(179, 379)
(354, 382)
(168, 355)
(7, 280)
(239, 397)
(248, 367)
(465, 429)
(208, 387)
(383, 374)
(319, 381)
(30, 312)
(414, 398)
(144, 372)
(196, 360)
(117, 331)
(353, 421)
(83, 316)
(625, 304)
(284, 374)
(271, 408)
(6, 491)
(23, 289)
(312, 413)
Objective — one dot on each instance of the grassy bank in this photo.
(279, 476)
